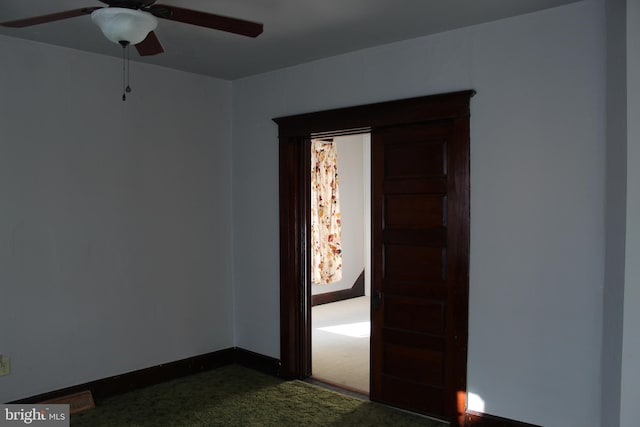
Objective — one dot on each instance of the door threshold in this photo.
(340, 388)
(363, 395)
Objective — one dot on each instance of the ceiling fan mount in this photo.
(130, 4)
(149, 45)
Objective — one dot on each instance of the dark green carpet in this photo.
(237, 396)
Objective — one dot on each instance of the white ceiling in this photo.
(295, 31)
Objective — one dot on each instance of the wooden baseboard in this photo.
(357, 290)
(119, 384)
(478, 419)
(257, 361)
(157, 374)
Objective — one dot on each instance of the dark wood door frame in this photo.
(295, 133)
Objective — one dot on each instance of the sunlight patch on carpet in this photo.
(356, 330)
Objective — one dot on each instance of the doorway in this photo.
(341, 317)
(420, 267)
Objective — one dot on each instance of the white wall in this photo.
(616, 190)
(351, 177)
(630, 389)
(537, 200)
(115, 219)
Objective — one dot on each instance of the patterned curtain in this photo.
(326, 255)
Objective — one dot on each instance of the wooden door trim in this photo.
(389, 113)
(294, 133)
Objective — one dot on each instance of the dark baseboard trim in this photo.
(257, 361)
(119, 384)
(478, 419)
(357, 290)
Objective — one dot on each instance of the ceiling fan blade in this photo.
(42, 19)
(150, 45)
(208, 20)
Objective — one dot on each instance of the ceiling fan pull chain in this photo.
(124, 72)
(126, 67)
(128, 88)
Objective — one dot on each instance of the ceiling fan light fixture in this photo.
(124, 25)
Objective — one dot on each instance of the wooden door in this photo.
(420, 210)
(418, 363)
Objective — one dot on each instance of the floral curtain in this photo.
(326, 255)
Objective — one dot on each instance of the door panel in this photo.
(417, 314)
(415, 211)
(410, 157)
(416, 263)
(406, 393)
(420, 364)
(420, 266)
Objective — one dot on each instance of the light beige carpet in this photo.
(340, 343)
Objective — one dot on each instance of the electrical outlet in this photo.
(5, 365)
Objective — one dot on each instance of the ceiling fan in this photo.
(131, 22)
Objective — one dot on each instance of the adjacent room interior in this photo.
(341, 308)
